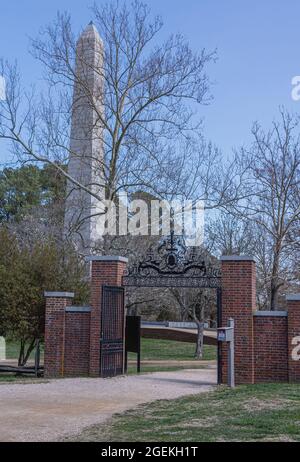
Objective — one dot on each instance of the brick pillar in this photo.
(293, 306)
(56, 303)
(105, 271)
(239, 303)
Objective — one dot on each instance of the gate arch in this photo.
(171, 264)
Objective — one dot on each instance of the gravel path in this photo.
(60, 408)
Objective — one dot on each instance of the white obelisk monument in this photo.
(83, 210)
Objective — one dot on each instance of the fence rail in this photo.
(36, 369)
(22, 370)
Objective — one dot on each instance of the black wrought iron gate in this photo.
(112, 332)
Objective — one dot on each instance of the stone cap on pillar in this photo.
(59, 294)
(237, 258)
(293, 298)
(106, 258)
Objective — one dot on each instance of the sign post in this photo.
(133, 339)
(226, 334)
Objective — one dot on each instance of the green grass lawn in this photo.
(151, 349)
(169, 350)
(24, 379)
(155, 349)
(248, 413)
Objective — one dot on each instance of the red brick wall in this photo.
(103, 272)
(238, 302)
(270, 349)
(77, 344)
(55, 333)
(263, 343)
(293, 305)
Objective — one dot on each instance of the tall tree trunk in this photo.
(199, 342)
(29, 351)
(274, 280)
(25, 354)
(274, 296)
(21, 353)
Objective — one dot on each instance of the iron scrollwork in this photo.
(172, 264)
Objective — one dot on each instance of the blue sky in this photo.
(257, 42)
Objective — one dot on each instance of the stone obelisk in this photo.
(83, 209)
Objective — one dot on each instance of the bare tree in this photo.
(146, 97)
(198, 306)
(228, 234)
(150, 128)
(274, 176)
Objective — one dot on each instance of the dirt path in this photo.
(60, 408)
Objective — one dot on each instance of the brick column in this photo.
(239, 303)
(105, 271)
(56, 303)
(293, 306)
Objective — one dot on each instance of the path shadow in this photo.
(196, 382)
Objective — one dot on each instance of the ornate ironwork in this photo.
(172, 264)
